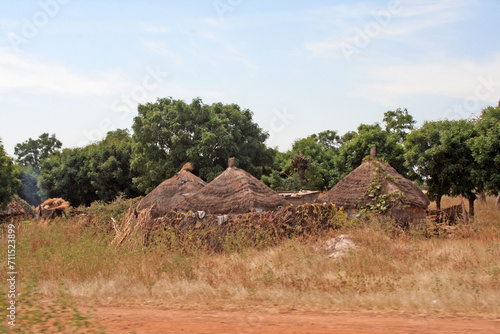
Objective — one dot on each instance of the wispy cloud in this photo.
(19, 70)
(395, 21)
(453, 78)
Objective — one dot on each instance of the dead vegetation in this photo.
(389, 269)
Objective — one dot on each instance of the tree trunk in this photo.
(497, 204)
(481, 197)
(471, 206)
(438, 202)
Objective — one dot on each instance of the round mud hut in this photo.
(377, 185)
(233, 191)
(164, 197)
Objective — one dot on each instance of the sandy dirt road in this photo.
(153, 320)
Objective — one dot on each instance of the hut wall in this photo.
(297, 198)
(410, 214)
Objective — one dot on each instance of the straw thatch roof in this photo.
(234, 191)
(52, 208)
(164, 197)
(16, 207)
(350, 192)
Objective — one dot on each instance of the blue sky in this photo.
(80, 68)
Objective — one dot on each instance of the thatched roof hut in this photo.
(17, 207)
(233, 191)
(168, 193)
(375, 178)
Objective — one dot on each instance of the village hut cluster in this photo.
(235, 191)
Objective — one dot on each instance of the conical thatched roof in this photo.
(164, 197)
(350, 192)
(234, 191)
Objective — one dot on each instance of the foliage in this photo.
(9, 178)
(438, 154)
(169, 133)
(100, 171)
(33, 151)
(102, 212)
(307, 165)
(486, 149)
(376, 198)
(399, 123)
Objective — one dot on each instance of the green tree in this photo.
(437, 154)
(460, 166)
(108, 166)
(169, 133)
(9, 178)
(33, 151)
(486, 149)
(100, 171)
(399, 122)
(30, 154)
(307, 165)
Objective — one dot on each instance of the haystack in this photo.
(164, 197)
(234, 191)
(372, 180)
(52, 208)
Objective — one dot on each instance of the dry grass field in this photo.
(390, 270)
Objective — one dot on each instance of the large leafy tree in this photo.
(169, 133)
(30, 154)
(100, 171)
(33, 151)
(307, 165)
(486, 149)
(399, 123)
(437, 153)
(9, 178)
(109, 168)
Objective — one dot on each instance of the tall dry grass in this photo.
(387, 271)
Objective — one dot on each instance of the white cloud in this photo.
(19, 70)
(452, 78)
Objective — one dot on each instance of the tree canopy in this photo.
(9, 178)
(33, 151)
(169, 133)
(99, 171)
(307, 165)
(438, 154)
(485, 148)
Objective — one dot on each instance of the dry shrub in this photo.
(389, 270)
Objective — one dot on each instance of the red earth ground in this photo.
(152, 320)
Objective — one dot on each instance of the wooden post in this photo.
(373, 152)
